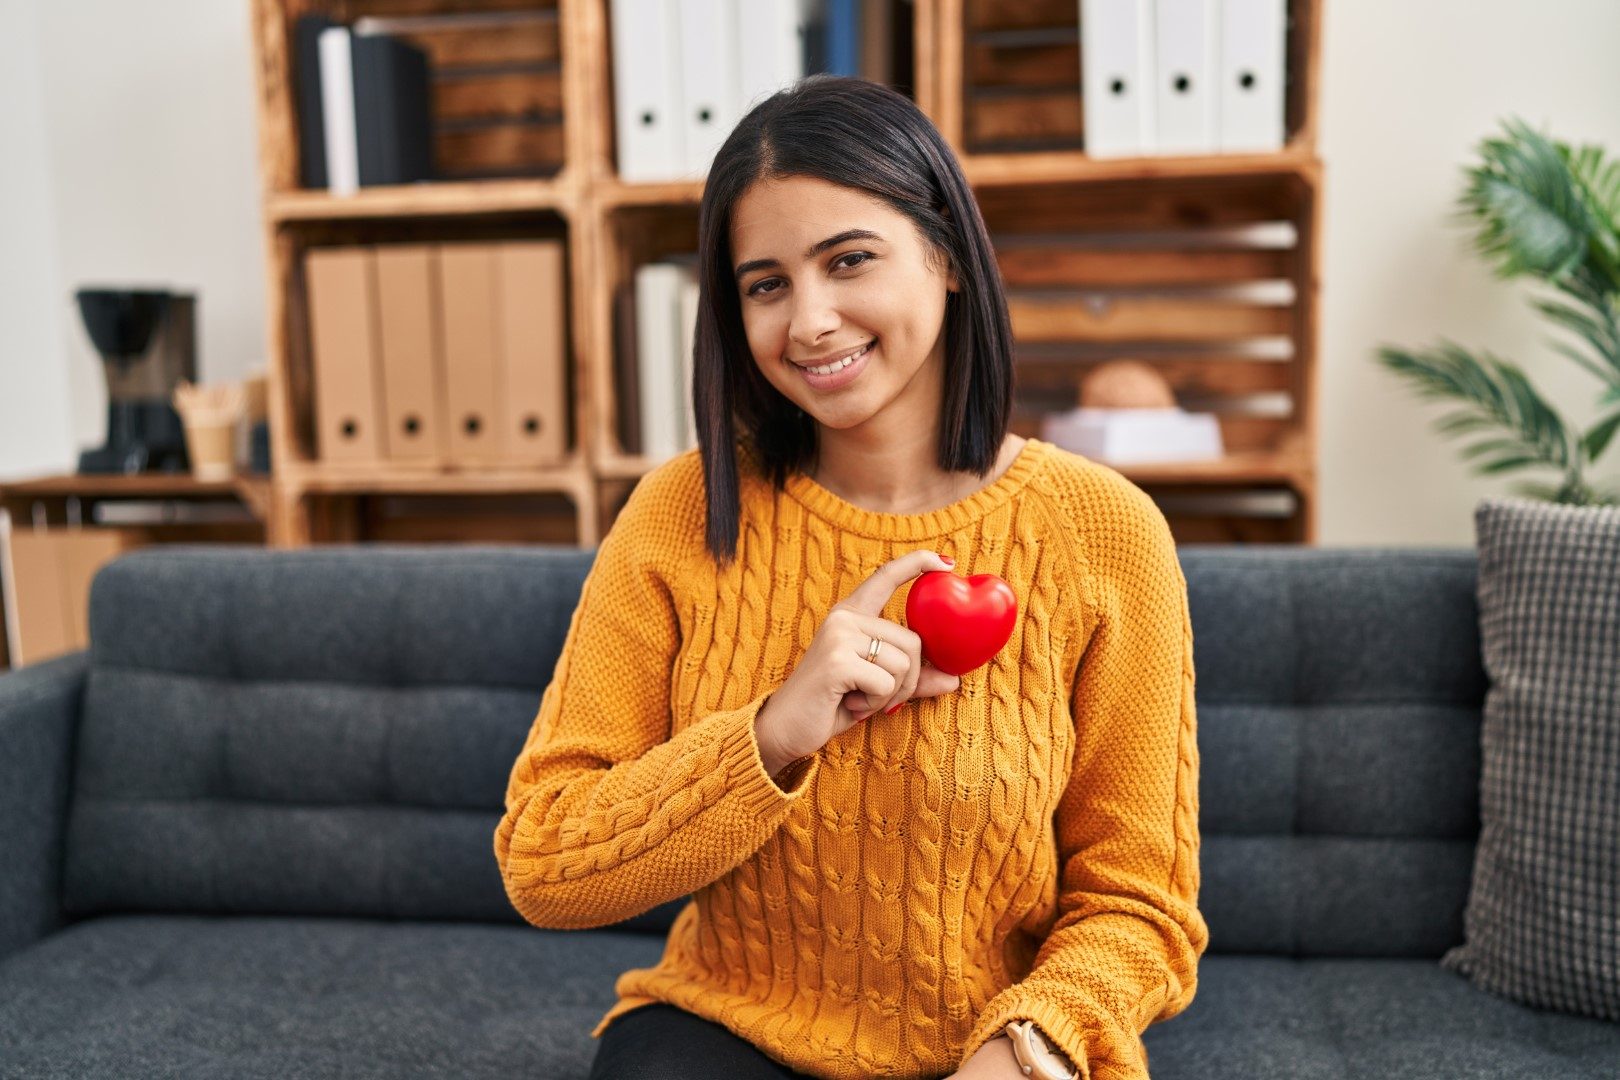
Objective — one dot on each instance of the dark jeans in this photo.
(662, 1042)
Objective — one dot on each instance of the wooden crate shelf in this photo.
(1205, 266)
(450, 198)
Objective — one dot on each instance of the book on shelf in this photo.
(365, 106)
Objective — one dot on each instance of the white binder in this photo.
(1185, 37)
(658, 366)
(1250, 101)
(688, 305)
(770, 47)
(708, 65)
(647, 89)
(1116, 77)
(337, 111)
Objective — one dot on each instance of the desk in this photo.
(234, 510)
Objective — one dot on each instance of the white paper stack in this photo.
(1135, 436)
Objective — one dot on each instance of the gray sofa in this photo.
(249, 832)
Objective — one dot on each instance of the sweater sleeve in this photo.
(608, 814)
(1123, 952)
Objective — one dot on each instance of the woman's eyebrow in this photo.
(814, 250)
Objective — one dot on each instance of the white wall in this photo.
(139, 165)
(35, 409)
(1408, 90)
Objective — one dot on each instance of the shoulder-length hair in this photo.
(862, 135)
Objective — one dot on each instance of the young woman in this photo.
(892, 871)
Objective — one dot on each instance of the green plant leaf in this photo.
(1490, 446)
(1495, 394)
(1533, 414)
(1598, 435)
(1505, 464)
(1599, 183)
(1531, 210)
(1536, 489)
(1461, 423)
(1610, 377)
(1601, 336)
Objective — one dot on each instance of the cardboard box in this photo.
(47, 574)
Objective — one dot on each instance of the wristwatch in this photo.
(1035, 1056)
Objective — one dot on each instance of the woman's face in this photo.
(824, 270)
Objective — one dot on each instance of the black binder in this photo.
(393, 111)
(307, 80)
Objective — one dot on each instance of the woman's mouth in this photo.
(838, 373)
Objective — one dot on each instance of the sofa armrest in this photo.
(39, 716)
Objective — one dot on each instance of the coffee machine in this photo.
(148, 343)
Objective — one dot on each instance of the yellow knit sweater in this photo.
(1025, 847)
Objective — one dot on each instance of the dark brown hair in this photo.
(862, 135)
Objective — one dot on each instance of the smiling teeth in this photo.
(841, 364)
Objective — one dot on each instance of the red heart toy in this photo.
(963, 622)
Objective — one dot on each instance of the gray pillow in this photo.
(1542, 922)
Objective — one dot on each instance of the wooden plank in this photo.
(520, 41)
(510, 95)
(1047, 64)
(1031, 266)
(1027, 116)
(346, 10)
(1037, 318)
(277, 117)
(1190, 376)
(499, 149)
(1129, 204)
(1021, 14)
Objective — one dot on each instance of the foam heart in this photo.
(963, 622)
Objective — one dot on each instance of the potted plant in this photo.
(1551, 212)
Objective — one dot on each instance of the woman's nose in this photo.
(813, 315)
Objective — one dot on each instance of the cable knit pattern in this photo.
(1023, 848)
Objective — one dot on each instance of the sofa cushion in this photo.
(283, 998)
(1542, 925)
(1339, 699)
(324, 731)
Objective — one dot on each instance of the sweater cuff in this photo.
(740, 757)
(1091, 1049)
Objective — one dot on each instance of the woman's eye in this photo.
(759, 289)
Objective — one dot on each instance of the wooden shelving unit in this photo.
(1205, 266)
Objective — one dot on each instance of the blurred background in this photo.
(165, 150)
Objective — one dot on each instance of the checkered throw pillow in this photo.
(1542, 923)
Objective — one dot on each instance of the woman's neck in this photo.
(901, 476)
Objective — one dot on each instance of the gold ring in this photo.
(871, 654)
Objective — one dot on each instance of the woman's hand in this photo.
(992, 1061)
(835, 685)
